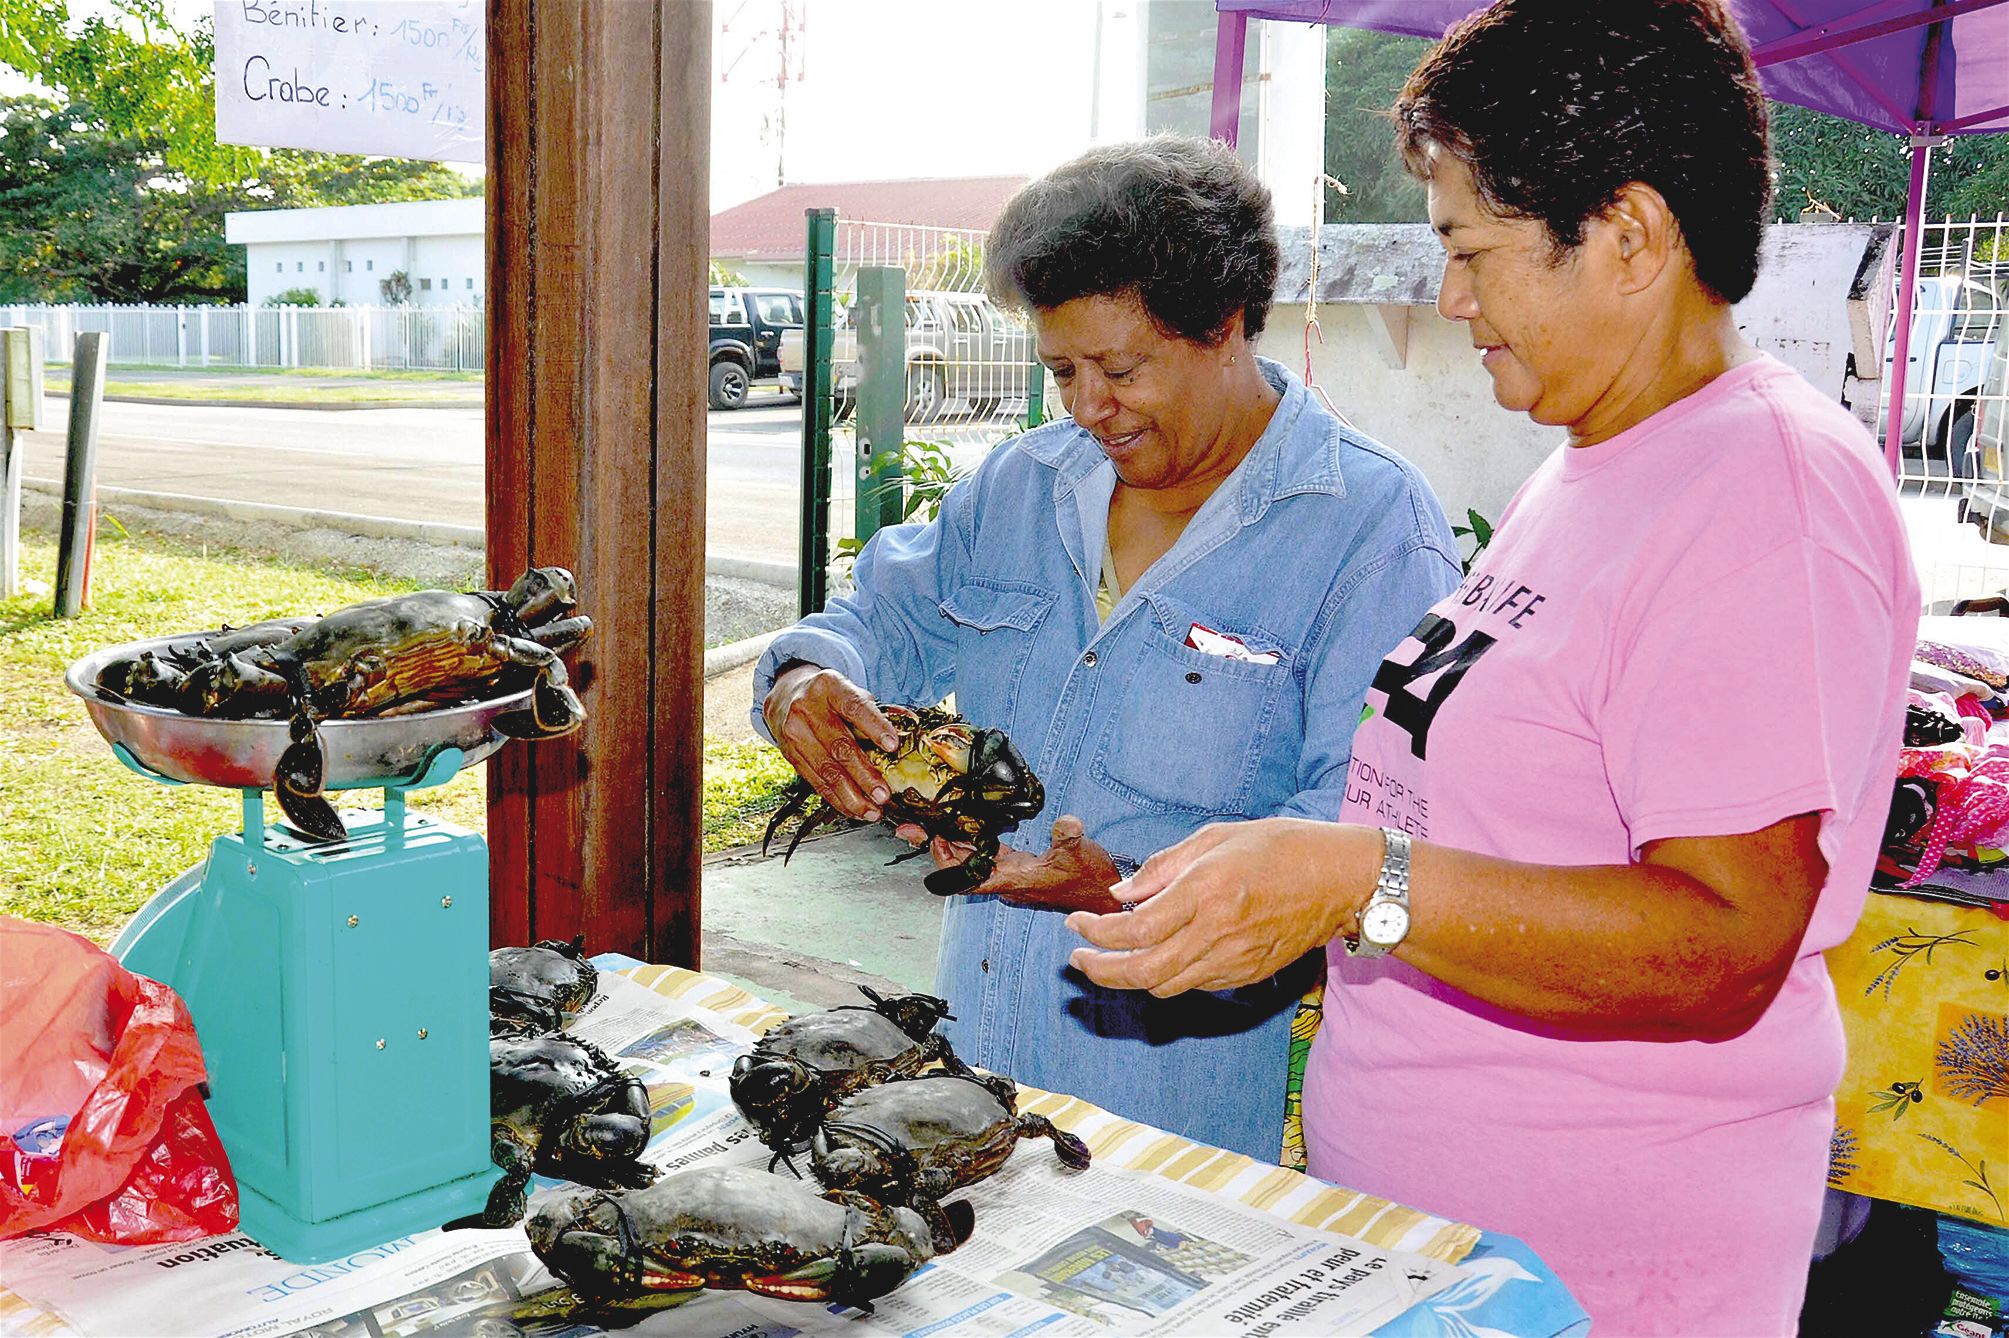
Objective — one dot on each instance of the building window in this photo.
(351, 267)
(321, 267)
(425, 285)
(299, 267)
(443, 285)
(470, 281)
(369, 264)
(278, 267)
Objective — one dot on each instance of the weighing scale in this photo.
(339, 989)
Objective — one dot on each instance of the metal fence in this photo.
(968, 364)
(1955, 412)
(378, 338)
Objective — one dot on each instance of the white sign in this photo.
(397, 78)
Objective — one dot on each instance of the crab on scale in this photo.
(952, 779)
(381, 657)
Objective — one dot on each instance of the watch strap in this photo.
(1391, 885)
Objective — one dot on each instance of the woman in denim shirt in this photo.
(1067, 592)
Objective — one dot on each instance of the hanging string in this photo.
(1311, 327)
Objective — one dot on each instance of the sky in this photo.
(875, 88)
(898, 89)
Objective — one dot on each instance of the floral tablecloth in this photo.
(1922, 1114)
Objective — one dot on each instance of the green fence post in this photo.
(817, 281)
(1035, 394)
(880, 319)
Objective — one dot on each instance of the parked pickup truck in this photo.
(747, 325)
(1955, 325)
(959, 347)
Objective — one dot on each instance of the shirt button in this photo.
(987, 965)
(1193, 677)
(1088, 658)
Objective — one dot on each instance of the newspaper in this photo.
(1061, 1252)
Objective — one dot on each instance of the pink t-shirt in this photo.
(1697, 628)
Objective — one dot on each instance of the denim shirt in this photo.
(1322, 549)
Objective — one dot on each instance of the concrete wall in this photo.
(1409, 378)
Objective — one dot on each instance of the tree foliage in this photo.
(1854, 170)
(114, 188)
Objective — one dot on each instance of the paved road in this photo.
(408, 464)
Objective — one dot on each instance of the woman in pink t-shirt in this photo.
(1611, 799)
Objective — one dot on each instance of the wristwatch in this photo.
(1384, 920)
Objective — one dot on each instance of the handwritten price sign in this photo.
(399, 78)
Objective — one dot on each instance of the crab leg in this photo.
(297, 784)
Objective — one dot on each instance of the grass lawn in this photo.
(83, 841)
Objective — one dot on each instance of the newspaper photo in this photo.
(1094, 1252)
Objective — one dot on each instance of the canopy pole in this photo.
(1230, 40)
(1907, 282)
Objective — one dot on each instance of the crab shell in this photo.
(927, 1136)
(535, 989)
(800, 1067)
(562, 1105)
(730, 1227)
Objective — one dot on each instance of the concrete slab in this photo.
(836, 916)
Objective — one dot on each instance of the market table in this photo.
(1924, 993)
(1156, 1232)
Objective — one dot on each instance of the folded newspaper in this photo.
(1161, 1235)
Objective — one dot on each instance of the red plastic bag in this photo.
(103, 1132)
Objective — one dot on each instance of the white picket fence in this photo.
(352, 338)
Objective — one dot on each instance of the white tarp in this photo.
(397, 78)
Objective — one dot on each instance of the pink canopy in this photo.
(1921, 68)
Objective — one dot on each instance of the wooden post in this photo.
(80, 475)
(598, 217)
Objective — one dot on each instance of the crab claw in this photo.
(962, 877)
(297, 784)
(1073, 1153)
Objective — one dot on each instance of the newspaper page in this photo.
(1062, 1252)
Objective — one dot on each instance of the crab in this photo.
(924, 1137)
(949, 778)
(535, 989)
(381, 657)
(738, 1228)
(560, 1107)
(802, 1067)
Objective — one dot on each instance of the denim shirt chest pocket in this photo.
(1192, 727)
(995, 620)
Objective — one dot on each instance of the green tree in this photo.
(1363, 72)
(95, 217)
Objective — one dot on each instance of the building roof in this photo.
(770, 226)
(356, 222)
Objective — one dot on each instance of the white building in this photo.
(346, 253)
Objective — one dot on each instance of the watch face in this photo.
(1385, 924)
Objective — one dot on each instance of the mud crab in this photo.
(380, 657)
(946, 776)
(535, 989)
(560, 1107)
(735, 1227)
(801, 1068)
(926, 1136)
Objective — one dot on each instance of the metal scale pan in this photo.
(340, 989)
(242, 754)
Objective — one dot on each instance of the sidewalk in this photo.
(279, 389)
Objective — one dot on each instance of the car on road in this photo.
(747, 326)
(1956, 326)
(1984, 502)
(960, 346)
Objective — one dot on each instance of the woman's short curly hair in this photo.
(1178, 221)
(1556, 106)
